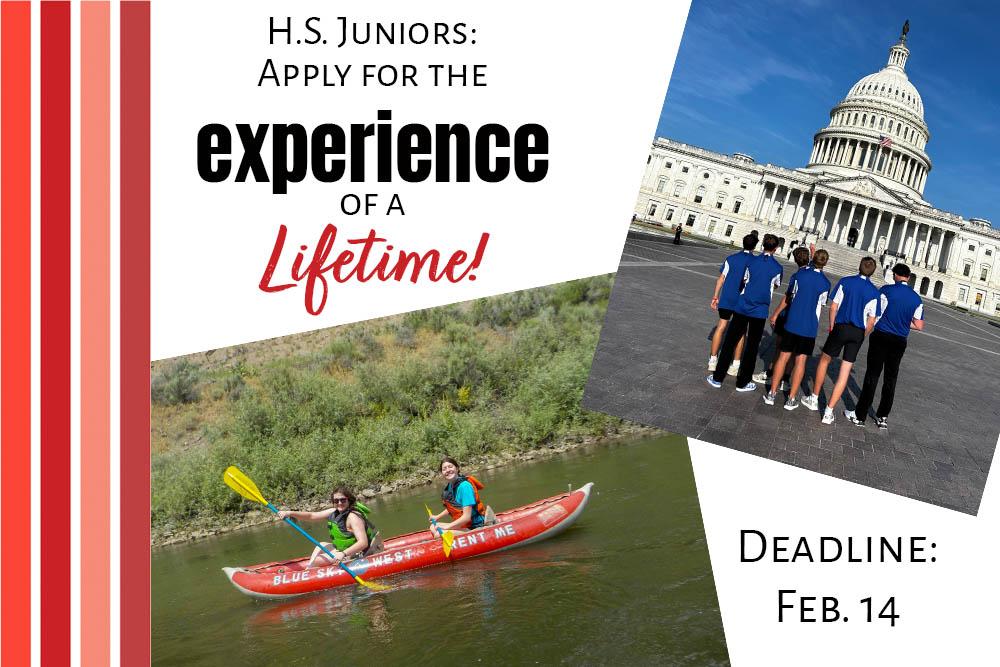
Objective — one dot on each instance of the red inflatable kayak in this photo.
(513, 528)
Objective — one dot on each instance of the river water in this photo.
(630, 582)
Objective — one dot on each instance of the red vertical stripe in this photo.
(15, 326)
(55, 325)
(135, 333)
(95, 334)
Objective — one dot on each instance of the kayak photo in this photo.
(426, 485)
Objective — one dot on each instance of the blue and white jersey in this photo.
(762, 275)
(900, 304)
(808, 288)
(857, 299)
(733, 269)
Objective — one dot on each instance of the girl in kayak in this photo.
(461, 500)
(350, 529)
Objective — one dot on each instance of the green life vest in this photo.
(340, 534)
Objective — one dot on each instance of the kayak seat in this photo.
(375, 545)
(490, 518)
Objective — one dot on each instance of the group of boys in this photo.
(858, 309)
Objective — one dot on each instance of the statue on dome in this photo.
(906, 29)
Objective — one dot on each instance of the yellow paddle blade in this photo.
(243, 485)
(447, 539)
(371, 584)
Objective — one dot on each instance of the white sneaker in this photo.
(760, 377)
(828, 416)
(791, 403)
(811, 402)
(749, 386)
(769, 397)
(713, 361)
(734, 369)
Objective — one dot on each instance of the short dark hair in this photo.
(820, 258)
(801, 256)
(345, 491)
(867, 266)
(771, 242)
(448, 459)
(901, 270)
(749, 242)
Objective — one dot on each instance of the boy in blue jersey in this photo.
(805, 298)
(762, 275)
(854, 307)
(727, 292)
(801, 258)
(901, 310)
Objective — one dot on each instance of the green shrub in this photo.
(177, 383)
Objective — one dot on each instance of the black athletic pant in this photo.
(885, 351)
(753, 327)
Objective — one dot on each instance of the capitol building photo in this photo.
(860, 194)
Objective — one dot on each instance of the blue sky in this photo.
(760, 77)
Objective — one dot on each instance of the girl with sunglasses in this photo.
(351, 531)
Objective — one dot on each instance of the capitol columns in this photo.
(809, 212)
(893, 222)
(836, 216)
(861, 227)
(759, 204)
(822, 214)
(842, 235)
(784, 205)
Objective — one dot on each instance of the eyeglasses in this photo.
(340, 501)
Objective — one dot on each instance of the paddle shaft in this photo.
(312, 539)
(436, 526)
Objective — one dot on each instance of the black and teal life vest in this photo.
(448, 499)
(339, 532)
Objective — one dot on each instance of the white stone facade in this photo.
(861, 194)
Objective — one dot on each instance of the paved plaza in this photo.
(650, 367)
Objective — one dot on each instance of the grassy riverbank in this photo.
(374, 405)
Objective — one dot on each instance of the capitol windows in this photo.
(684, 170)
(705, 175)
(968, 269)
(679, 188)
(649, 158)
(729, 230)
(881, 123)
(652, 208)
(972, 248)
(989, 253)
(963, 294)
(661, 184)
(670, 215)
(720, 200)
(983, 272)
(737, 205)
(668, 165)
(699, 195)
(743, 185)
(890, 126)
(726, 181)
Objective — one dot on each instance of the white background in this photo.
(947, 613)
(595, 76)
